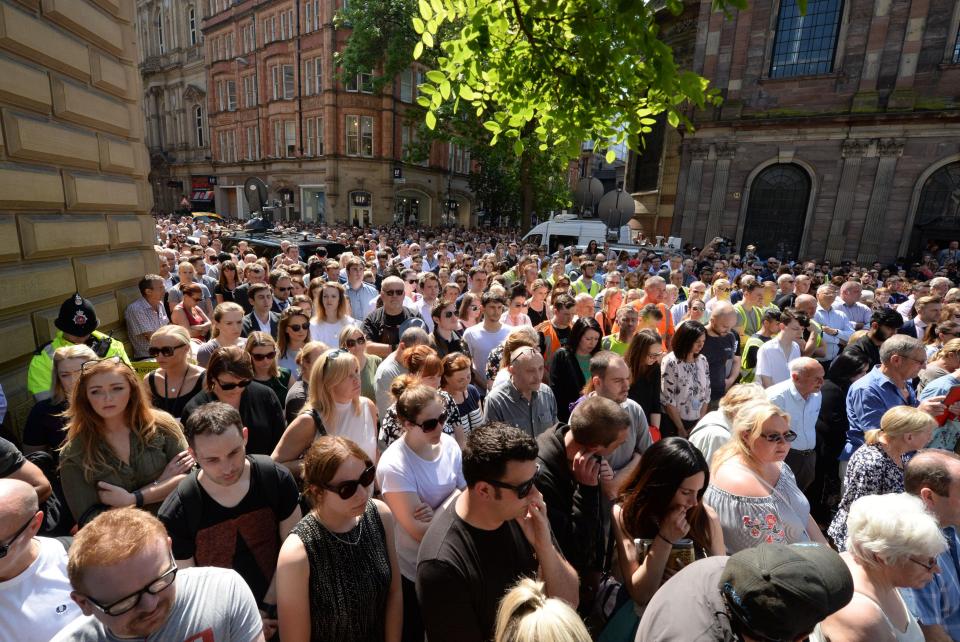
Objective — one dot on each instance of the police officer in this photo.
(76, 324)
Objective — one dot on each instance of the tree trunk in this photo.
(526, 189)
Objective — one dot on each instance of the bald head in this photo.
(18, 501)
(807, 375)
(806, 303)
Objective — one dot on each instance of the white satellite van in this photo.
(569, 230)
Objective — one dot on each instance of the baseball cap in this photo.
(781, 591)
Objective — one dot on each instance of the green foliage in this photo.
(382, 38)
(555, 73)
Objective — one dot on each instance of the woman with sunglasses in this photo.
(696, 311)
(227, 283)
(445, 339)
(119, 451)
(416, 473)
(661, 503)
(354, 341)
(293, 331)
(877, 467)
(331, 314)
(190, 315)
(334, 407)
(752, 490)
(227, 331)
(421, 362)
(719, 292)
(570, 365)
(470, 311)
(894, 543)
(337, 576)
(230, 380)
(297, 395)
(516, 315)
(263, 351)
(176, 381)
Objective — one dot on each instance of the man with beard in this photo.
(884, 323)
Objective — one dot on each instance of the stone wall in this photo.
(73, 194)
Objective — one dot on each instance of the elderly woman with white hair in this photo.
(892, 542)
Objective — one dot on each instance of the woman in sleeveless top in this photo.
(537, 307)
(337, 577)
(752, 490)
(662, 503)
(334, 407)
(190, 315)
(894, 543)
(176, 381)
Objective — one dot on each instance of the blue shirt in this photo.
(362, 300)
(938, 603)
(803, 412)
(868, 398)
(944, 436)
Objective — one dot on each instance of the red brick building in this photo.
(328, 150)
(839, 133)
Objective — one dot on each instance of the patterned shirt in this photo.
(685, 386)
(870, 472)
(391, 428)
(141, 319)
(938, 602)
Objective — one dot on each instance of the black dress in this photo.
(536, 318)
(646, 392)
(566, 380)
(173, 405)
(350, 578)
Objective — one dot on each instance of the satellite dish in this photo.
(255, 191)
(588, 193)
(616, 207)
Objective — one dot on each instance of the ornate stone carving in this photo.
(855, 147)
(890, 147)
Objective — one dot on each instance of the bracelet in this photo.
(665, 539)
(138, 497)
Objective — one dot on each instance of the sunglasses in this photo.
(522, 489)
(347, 489)
(93, 362)
(297, 327)
(130, 602)
(166, 351)
(5, 548)
(393, 292)
(776, 438)
(353, 343)
(448, 313)
(429, 425)
(260, 357)
(233, 386)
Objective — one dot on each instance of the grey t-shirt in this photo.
(212, 604)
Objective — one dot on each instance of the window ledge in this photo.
(831, 75)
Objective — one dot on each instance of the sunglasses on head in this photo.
(429, 425)
(347, 489)
(522, 489)
(260, 357)
(93, 362)
(353, 343)
(233, 386)
(166, 351)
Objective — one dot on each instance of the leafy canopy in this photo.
(565, 71)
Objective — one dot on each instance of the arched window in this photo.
(198, 122)
(940, 199)
(777, 210)
(805, 43)
(192, 24)
(160, 41)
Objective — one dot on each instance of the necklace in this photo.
(340, 539)
(166, 377)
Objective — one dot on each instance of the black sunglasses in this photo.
(446, 314)
(232, 386)
(393, 292)
(260, 357)
(297, 327)
(166, 351)
(347, 489)
(5, 548)
(130, 602)
(429, 425)
(353, 343)
(523, 489)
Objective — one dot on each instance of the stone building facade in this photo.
(839, 134)
(174, 75)
(328, 150)
(74, 200)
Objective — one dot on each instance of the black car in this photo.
(267, 244)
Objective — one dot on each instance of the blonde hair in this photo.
(526, 614)
(67, 353)
(738, 395)
(331, 368)
(747, 427)
(85, 429)
(111, 537)
(345, 333)
(900, 421)
(950, 347)
(343, 307)
(222, 309)
(173, 331)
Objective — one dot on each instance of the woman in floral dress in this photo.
(685, 381)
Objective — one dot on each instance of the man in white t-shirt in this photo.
(34, 590)
(484, 337)
(774, 356)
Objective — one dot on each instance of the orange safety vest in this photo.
(552, 341)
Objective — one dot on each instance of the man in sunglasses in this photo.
(34, 590)
(127, 583)
(491, 535)
(382, 326)
(236, 511)
(282, 287)
(799, 396)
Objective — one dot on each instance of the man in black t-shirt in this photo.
(236, 510)
(384, 325)
(489, 537)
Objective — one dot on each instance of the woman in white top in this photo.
(331, 314)
(334, 407)
(293, 331)
(417, 473)
(892, 542)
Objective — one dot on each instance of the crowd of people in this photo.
(450, 435)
